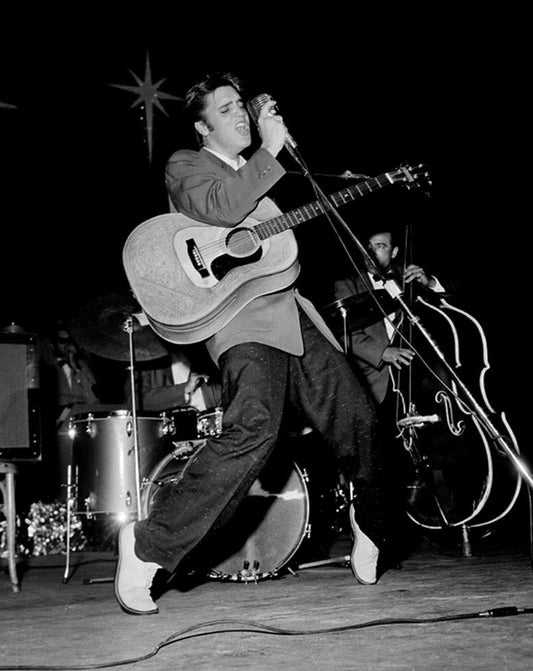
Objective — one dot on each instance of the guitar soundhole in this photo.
(242, 242)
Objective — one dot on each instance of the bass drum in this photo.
(267, 528)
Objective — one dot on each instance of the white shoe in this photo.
(133, 578)
(364, 555)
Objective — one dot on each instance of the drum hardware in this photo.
(167, 426)
(189, 423)
(150, 348)
(357, 311)
(344, 560)
(246, 574)
(89, 429)
(210, 423)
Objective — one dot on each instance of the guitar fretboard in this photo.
(283, 222)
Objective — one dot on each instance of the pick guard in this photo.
(208, 253)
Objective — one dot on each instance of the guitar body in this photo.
(192, 278)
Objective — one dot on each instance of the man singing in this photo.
(276, 352)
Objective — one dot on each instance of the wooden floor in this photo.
(315, 617)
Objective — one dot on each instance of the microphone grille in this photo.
(255, 105)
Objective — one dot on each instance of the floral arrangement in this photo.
(47, 529)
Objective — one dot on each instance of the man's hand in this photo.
(418, 274)
(271, 128)
(397, 356)
(194, 382)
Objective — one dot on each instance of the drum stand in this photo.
(344, 560)
(71, 488)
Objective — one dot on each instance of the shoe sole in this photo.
(125, 608)
(359, 579)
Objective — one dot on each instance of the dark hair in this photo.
(195, 102)
(391, 229)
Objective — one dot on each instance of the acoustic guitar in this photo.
(192, 278)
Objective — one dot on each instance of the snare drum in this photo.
(103, 458)
(267, 528)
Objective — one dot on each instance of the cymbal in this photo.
(100, 328)
(361, 310)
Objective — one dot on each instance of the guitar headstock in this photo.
(412, 177)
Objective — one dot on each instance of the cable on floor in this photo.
(249, 626)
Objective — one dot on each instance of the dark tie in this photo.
(385, 276)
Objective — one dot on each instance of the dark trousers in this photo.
(258, 383)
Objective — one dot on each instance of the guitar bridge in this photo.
(196, 258)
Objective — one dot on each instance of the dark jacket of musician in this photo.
(367, 345)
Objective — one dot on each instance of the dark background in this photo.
(359, 93)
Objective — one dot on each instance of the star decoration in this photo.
(149, 95)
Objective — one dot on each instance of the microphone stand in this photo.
(128, 327)
(344, 560)
(330, 208)
(395, 292)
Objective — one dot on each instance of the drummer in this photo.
(184, 377)
(69, 387)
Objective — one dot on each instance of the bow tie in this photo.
(385, 276)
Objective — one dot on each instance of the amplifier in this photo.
(20, 417)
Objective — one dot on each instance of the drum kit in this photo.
(120, 460)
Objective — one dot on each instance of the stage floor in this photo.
(335, 622)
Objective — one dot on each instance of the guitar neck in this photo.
(283, 222)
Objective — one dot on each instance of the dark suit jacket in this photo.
(367, 344)
(204, 187)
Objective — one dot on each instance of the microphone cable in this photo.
(252, 627)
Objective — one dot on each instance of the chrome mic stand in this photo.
(293, 150)
(128, 327)
(521, 466)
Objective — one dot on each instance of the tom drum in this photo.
(103, 458)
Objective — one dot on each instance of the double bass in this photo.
(462, 466)
(466, 468)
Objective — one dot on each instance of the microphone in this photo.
(255, 105)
